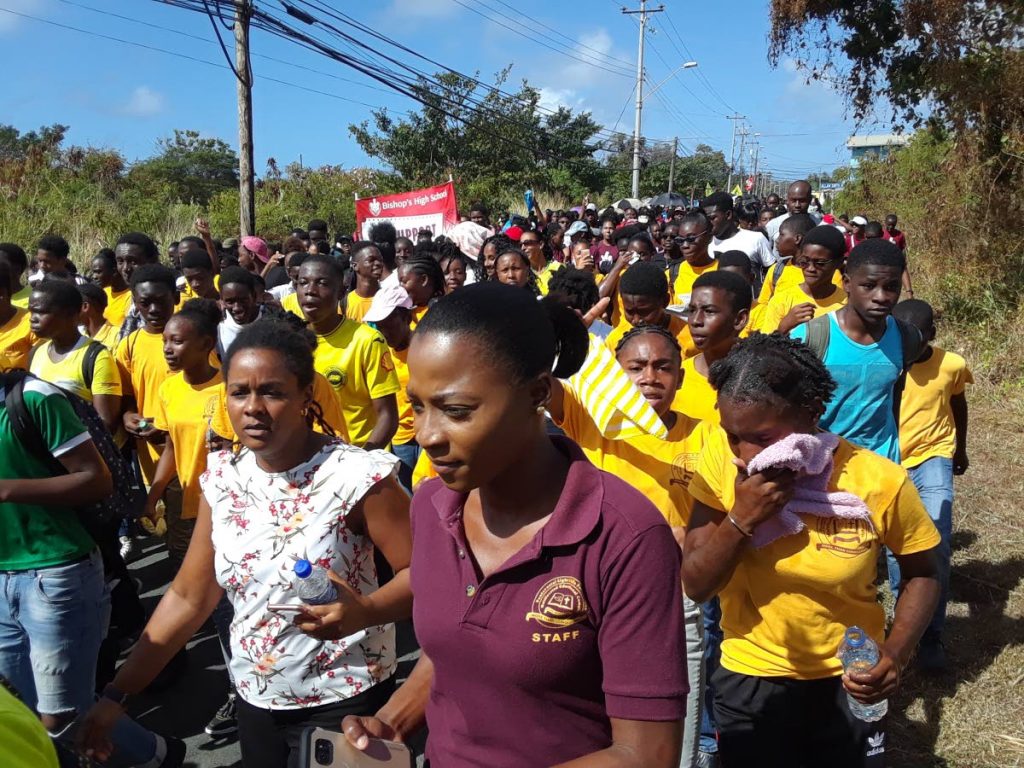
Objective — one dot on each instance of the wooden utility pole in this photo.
(246, 184)
(672, 164)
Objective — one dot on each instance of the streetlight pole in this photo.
(643, 12)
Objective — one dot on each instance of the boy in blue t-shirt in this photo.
(865, 351)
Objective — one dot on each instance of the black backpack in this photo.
(127, 498)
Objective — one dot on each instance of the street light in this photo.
(687, 65)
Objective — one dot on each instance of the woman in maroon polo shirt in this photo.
(546, 592)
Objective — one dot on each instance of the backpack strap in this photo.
(911, 345)
(92, 352)
(24, 426)
(818, 331)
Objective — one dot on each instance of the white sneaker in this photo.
(127, 547)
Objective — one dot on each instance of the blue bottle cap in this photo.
(854, 636)
(303, 568)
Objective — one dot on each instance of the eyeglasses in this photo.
(816, 264)
(688, 239)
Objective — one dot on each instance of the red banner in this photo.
(433, 208)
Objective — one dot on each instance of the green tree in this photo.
(494, 145)
(694, 171)
(187, 167)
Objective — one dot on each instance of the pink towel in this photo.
(810, 456)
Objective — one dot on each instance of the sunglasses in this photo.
(688, 239)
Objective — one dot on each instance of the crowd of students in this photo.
(629, 472)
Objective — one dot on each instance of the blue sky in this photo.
(581, 54)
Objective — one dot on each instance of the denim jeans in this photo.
(52, 621)
(694, 626)
(712, 657)
(407, 454)
(934, 482)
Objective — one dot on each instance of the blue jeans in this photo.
(934, 482)
(712, 657)
(52, 621)
(407, 454)
(693, 623)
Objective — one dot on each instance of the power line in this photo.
(700, 74)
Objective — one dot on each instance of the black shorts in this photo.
(269, 738)
(777, 721)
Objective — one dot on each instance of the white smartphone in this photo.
(320, 748)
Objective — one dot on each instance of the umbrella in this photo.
(670, 200)
(626, 202)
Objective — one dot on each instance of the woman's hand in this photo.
(93, 737)
(359, 730)
(801, 313)
(878, 683)
(762, 495)
(334, 621)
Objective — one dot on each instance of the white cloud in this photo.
(553, 98)
(9, 21)
(426, 9)
(144, 102)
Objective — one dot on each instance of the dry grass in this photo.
(973, 717)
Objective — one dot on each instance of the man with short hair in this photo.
(479, 214)
(53, 257)
(729, 237)
(798, 200)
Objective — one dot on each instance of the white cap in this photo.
(859, 220)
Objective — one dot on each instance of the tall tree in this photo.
(493, 144)
(188, 167)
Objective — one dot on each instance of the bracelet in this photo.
(740, 528)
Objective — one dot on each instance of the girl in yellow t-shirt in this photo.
(780, 690)
(16, 337)
(659, 468)
(186, 407)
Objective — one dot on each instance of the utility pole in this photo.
(672, 164)
(757, 155)
(743, 133)
(243, 70)
(732, 149)
(642, 11)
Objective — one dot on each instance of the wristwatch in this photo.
(114, 694)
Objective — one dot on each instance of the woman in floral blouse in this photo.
(289, 493)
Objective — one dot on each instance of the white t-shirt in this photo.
(772, 228)
(263, 523)
(752, 243)
(280, 291)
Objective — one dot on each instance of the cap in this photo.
(229, 244)
(389, 298)
(257, 246)
(576, 227)
(859, 220)
(514, 233)
(828, 218)
(303, 568)
(591, 206)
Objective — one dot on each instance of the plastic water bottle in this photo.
(313, 585)
(859, 653)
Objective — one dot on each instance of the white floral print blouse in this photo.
(262, 524)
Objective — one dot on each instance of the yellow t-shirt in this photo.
(659, 469)
(107, 336)
(544, 276)
(140, 358)
(356, 361)
(676, 326)
(69, 374)
(417, 315)
(423, 470)
(290, 303)
(696, 397)
(790, 277)
(756, 320)
(405, 433)
(927, 429)
(185, 412)
(118, 305)
(787, 604)
(187, 293)
(323, 395)
(20, 299)
(787, 298)
(683, 286)
(16, 339)
(26, 742)
(357, 306)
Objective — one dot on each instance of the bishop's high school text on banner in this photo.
(433, 209)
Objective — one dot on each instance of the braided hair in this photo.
(643, 329)
(426, 265)
(773, 368)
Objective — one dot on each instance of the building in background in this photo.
(878, 145)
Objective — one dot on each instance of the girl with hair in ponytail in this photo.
(548, 603)
(289, 493)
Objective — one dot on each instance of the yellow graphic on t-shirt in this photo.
(559, 603)
(335, 377)
(843, 537)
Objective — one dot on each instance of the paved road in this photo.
(187, 703)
